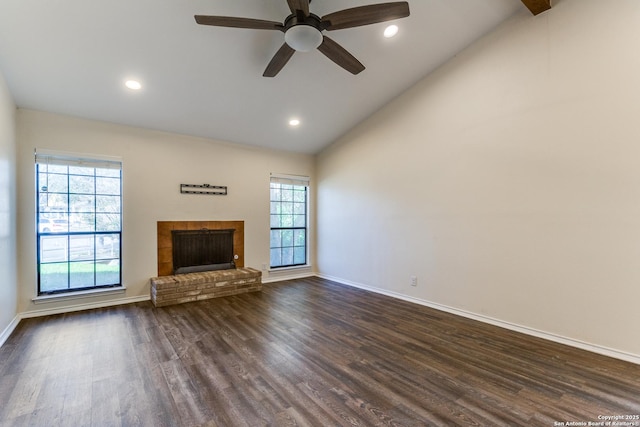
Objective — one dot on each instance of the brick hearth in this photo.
(181, 288)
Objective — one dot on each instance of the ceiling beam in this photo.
(537, 6)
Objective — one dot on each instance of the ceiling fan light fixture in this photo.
(303, 38)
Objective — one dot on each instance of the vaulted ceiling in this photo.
(73, 57)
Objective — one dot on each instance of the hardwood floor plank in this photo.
(134, 410)
(306, 352)
(184, 393)
(105, 405)
(8, 383)
(23, 395)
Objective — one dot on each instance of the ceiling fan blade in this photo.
(340, 56)
(365, 15)
(230, 21)
(278, 61)
(299, 5)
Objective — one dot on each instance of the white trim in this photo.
(43, 299)
(290, 267)
(594, 348)
(4, 336)
(84, 306)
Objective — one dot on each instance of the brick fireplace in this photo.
(167, 288)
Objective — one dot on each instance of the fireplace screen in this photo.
(202, 250)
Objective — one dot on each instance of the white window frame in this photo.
(94, 238)
(296, 180)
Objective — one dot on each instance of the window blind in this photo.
(290, 179)
(72, 159)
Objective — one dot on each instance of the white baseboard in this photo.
(594, 348)
(4, 336)
(82, 306)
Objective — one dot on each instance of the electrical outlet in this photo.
(264, 266)
(414, 281)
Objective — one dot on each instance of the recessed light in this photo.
(390, 31)
(294, 122)
(133, 84)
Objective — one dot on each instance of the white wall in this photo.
(154, 166)
(508, 181)
(8, 283)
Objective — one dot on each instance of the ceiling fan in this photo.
(303, 30)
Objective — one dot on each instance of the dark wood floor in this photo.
(306, 352)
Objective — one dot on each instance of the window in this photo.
(79, 222)
(289, 199)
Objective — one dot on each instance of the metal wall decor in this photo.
(212, 190)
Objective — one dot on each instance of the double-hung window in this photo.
(79, 222)
(289, 220)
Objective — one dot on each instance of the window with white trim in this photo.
(289, 198)
(79, 222)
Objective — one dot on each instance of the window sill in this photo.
(286, 273)
(43, 299)
(293, 267)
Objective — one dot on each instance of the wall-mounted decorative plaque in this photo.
(212, 190)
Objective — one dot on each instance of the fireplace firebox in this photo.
(202, 250)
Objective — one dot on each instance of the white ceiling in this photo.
(73, 56)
